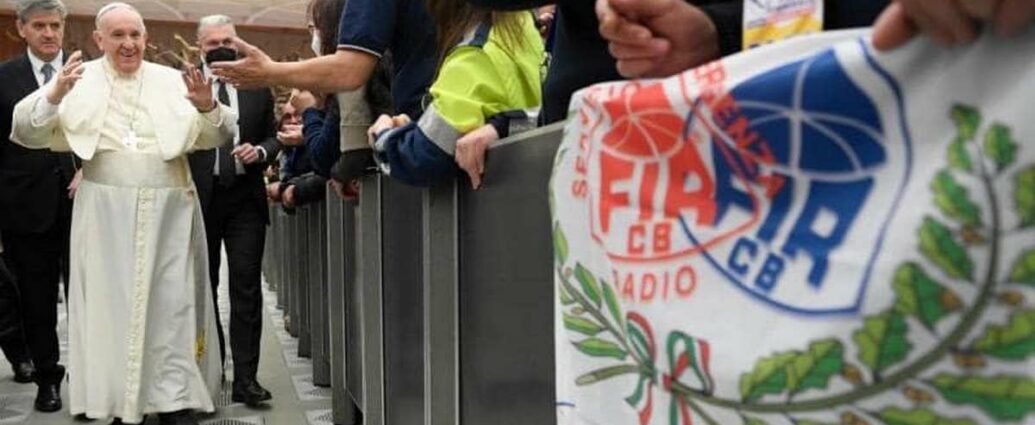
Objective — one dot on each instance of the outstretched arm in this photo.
(345, 70)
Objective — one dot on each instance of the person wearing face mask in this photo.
(232, 192)
(142, 334)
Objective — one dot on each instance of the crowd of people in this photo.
(167, 167)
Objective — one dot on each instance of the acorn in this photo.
(950, 301)
(1011, 298)
(968, 360)
(852, 374)
(971, 236)
(849, 418)
(917, 395)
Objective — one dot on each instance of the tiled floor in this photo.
(295, 400)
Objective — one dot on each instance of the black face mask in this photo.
(222, 54)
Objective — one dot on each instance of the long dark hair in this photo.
(455, 18)
(326, 15)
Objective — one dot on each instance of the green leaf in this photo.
(1023, 270)
(580, 325)
(768, 377)
(967, 121)
(1000, 146)
(606, 373)
(566, 298)
(1015, 341)
(597, 347)
(938, 245)
(560, 244)
(612, 304)
(919, 295)
(1024, 196)
(959, 157)
(896, 416)
(754, 421)
(590, 286)
(1004, 398)
(882, 341)
(953, 199)
(812, 422)
(794, 371)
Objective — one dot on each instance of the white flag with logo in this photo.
(812, 232)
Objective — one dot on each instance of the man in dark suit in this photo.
(233, 200)
(35, 197)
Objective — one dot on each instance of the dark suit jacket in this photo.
(32, 182)
(258, 127)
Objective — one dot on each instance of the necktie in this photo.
(227, 167)
(48, 72)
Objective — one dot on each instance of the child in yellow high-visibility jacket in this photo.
(492, 67)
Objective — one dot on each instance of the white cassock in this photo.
(142, 335)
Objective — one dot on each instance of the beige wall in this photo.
(280, 43)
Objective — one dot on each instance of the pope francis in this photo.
(141, 322)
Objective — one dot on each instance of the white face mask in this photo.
(317, 44)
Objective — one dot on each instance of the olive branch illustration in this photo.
(926, 299)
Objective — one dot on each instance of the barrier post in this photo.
(441, 324)
(369, 302)
(506, 286)
(299, 258)
(318, 311)
(401, 244)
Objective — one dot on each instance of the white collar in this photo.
(37, 63)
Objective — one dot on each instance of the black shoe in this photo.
(24, 372)
(83, 418)
(48, 397)
(249, 392)
(48, 394)
(182, 417)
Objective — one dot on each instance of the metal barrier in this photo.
(316, 232)
(429, 306)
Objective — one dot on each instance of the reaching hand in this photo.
(657, 38)
(949, 22)
(199, 89)
(249, 72)
(70, 74)
(470, 152)
(291, 135)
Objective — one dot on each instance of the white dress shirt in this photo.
(234, 104)
(37, 66)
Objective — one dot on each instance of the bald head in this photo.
(122, 37)
(118, 10)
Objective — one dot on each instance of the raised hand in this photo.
(70, 74)
(249, 72)
(199, 89)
